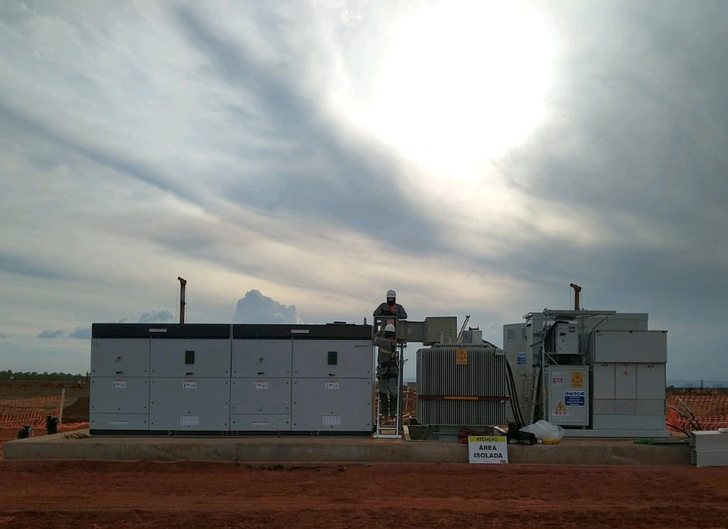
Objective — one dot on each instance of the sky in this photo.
(293, 160)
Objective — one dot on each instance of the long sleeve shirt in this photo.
(395, 310)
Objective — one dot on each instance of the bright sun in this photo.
(464, 81)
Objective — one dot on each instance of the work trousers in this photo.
(388, 396)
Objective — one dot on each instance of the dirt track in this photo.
(220, 495)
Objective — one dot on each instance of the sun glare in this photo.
(464, 81)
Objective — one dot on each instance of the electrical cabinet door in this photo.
(625, 381)
(332, 358)
(568, 395)
(322, 404)
(126, 357)
(651, 381)
(176, 357)
(603, 381)
(181, 404)
(119, 395)
(630, 346)
(262, 358)
(260, 395)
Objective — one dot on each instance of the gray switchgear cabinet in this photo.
(629, 379)
(231, 379)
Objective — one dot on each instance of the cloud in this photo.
(28, 267)
(82, 333)
(225, 144)
(312, 167)
(156, 316)
(257, 308)
(52, 333)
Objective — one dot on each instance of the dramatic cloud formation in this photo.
(476, 156)
(257, 308)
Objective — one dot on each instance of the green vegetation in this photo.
(32, 375)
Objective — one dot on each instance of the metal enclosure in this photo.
(568, 395)
(629, 379)
(221, 378)
(119, 398)
(302, 378)
(565, 338)
(189, 387)
(261, 384)
(519, 355)
(411, 331)
(441, 330)
(461, 385)
(621, 362)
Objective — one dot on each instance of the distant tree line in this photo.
(718, 390)
(33, 375)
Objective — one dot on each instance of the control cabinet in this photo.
(568, 395)
(222, 378)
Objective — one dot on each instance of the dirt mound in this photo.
(77, 412)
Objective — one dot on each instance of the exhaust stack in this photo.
(577, 289)
(183, 283)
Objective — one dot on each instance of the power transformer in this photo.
(462, 385)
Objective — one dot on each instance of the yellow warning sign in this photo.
(577, 379)
(461, 357)
(561, 409)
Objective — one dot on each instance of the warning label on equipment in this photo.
(574, 398)
(461, 357)
(577, 379)
(561, 410)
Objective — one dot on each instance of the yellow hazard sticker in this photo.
(577, 379)
(561, 409)
(461, 357)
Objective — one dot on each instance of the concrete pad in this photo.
(80, 446)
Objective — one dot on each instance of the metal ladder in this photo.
(392, 431)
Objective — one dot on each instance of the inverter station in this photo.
(231, 379)
(593, 373)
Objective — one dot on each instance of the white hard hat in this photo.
(389, 328)
(391, 294)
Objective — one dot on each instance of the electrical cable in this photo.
(691, 413)
(690, 420)
(591, 333)
(511, 392)
(677, 428)
(515, 405)
(521, 420)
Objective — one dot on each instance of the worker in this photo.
(387, 370)
(391, 307)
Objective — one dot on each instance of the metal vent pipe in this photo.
(577, 289)
(183, 283)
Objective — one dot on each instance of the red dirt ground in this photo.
(224, 495)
